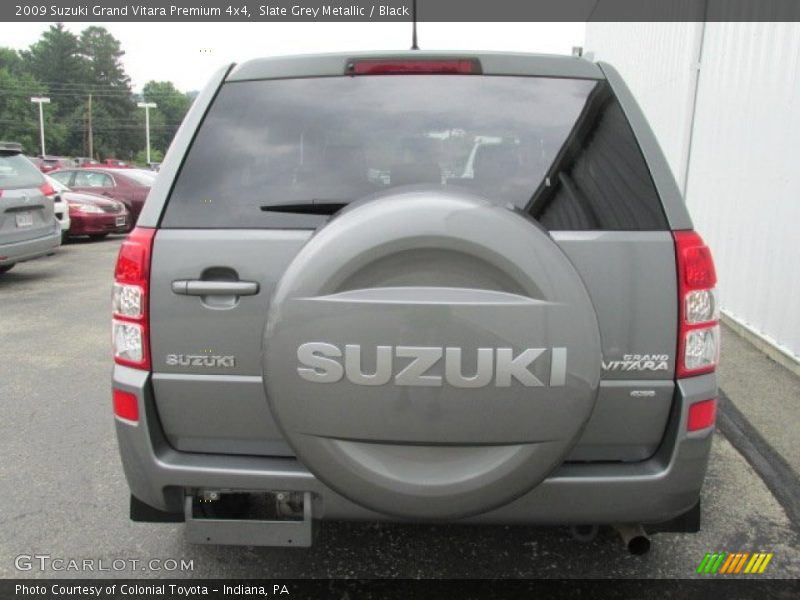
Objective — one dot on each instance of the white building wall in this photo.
(657, 61)
(743, 183)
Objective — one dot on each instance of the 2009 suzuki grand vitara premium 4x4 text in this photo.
(414, 287)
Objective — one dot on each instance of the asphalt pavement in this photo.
(63, 493)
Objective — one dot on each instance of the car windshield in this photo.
(16, 171)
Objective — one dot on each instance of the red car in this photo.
(93, 215)
(47, 164)
(115, 163)
(85, 161)
(129, 186)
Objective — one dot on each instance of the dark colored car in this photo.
(47, 164)
(129, 186)
(93, 215)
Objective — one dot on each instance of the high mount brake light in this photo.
(419, 66)
(698, 332)
(131, 315)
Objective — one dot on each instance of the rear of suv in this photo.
(423, 287)
(28, 226)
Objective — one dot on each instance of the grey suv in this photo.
(420, 287)
(28, 226)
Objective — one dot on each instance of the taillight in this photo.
(47, 189)
(131, 318)
(698, 333)
(420, 66)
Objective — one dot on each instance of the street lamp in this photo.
(41, 100)
(147, 106)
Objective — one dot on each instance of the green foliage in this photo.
(18, 117)
(11, 61)
(69, 68)
(165, 120)
(141, 157)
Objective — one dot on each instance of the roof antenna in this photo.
(414, 45)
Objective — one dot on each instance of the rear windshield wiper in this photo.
(314, 206)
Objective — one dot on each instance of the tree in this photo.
(56, 62)
(103, 53)
(112, 104)
(141, 157)
(165, 120)
(11, 61)
(68, 68)
(19, 118)
(19, 121)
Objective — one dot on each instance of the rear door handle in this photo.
(200, 287)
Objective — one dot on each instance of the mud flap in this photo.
(688, 522)
(144, 513)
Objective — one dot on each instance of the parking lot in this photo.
(63, 493)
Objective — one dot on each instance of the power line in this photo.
(69, 94)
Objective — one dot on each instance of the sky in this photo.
(188, 53)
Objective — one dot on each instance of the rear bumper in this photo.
(33, 248)
(650, 491)
(63, 220)
(98, 224)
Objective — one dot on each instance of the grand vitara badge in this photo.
(322, 363)
(638, 362)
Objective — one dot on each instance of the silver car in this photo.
(418, 287)
(28, 226)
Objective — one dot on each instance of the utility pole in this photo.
(41, 100)
(91, 136)
(147, 106)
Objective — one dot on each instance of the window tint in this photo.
(16, 171)
(560, 149)
(92, 179)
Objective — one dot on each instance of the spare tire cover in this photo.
(431, 355)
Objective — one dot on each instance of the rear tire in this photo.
(4, 268)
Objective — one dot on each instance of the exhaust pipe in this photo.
(634, 537)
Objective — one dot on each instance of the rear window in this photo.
(16, 171)
(62, 176)
(92, 179)
(559, 149)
